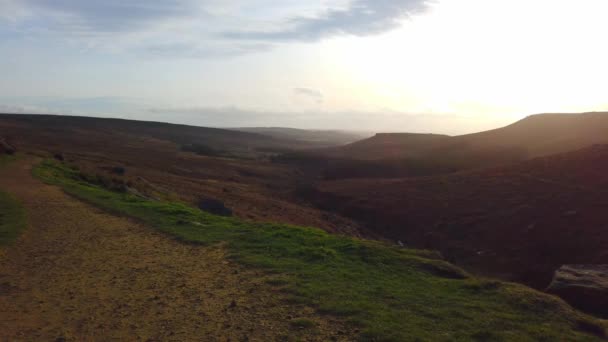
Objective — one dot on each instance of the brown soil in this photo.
(78, 273)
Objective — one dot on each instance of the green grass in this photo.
(5, 159)
(12, 219)
(12, 214)
(391, 294)
(302, 323)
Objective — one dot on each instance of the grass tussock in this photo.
(12, 214)
(12, 219)
(390, 294)
(302, 323)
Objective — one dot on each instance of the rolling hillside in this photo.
(316, 138)
(519, 222)
(155, 163)
(87, 130)
(222, 277)
(545, 134)
(534, 136)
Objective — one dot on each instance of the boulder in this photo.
(214, 206)
(583, 286)
(6, 148)
(119, 170)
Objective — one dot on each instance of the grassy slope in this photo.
(390, 293)
(12, 215)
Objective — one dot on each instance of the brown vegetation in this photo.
(477, 198)
(519, 222)
(156, 166)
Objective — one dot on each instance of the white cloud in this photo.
(309, 93)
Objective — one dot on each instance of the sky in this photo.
(441, 66)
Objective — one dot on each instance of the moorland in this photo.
(412, 232)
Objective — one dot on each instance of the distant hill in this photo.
(45, 129)
(544, 134)
(519, 222)
(318, 138)
(390, 146)
(534, 136)
(406, 154)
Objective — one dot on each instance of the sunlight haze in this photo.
(406, 65)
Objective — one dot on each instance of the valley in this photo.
(514, 217)
(303, 171)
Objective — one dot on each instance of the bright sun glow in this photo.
(479, 56)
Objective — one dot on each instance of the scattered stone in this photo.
(570, 213)
(6, 288)
(233, 304)
(583, 286)
(119, 170)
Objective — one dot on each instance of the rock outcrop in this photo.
(214, 206)
(583, 286)
(6, 148)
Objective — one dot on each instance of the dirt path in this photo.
(80, 274)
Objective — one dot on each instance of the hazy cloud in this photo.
(207, 51)
(377, 121)
(313, 94)
(70, 105)
(109, 15)
(25, 109)
(361, 18)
